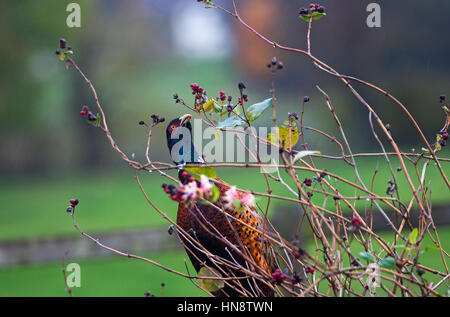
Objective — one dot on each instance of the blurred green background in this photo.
(137, 54)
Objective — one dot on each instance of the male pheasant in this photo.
(209, 225)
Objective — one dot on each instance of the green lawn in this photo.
(113, 276)
(119, 276)
(111, 202)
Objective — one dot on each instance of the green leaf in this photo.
(198, 169)
(413, 236)
(256, 110)
(387, 263)
(431, 247)
(301, 154)
(231, 122)
(212, 285)
(283, 136)
(367, 256)
(305, 17)
(215, 194)
(318, 15)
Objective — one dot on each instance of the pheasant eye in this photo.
(173, 126)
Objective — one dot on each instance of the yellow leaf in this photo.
(211, 285)
(283, 136)
(209, 106)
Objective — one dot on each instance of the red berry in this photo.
(309, 270)
(445, 135)
(83, 112)
(355, 221)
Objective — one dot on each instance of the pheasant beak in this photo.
(185, 119)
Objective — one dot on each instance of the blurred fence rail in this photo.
(53, 249)
(138, 241)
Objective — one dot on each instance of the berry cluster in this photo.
(275, 64)
(309, 270)
(222, 96)
(90, 116)
(155, 118)
(313, 7)
(199, 93)
(244, 97)
(64, 47)
(63, 52)
(278, 277)
(73, 204)
(444, 137)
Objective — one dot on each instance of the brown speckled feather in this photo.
(205, 222)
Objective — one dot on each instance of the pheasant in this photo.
(211, 227)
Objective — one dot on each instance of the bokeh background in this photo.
(137, 54)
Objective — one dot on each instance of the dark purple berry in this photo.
(303, 11)
(91, 117)
(420, 271)
(141, 122)
(308, 181)
(321, 9)
(62, 43)
(57, 52)
(306, 99)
